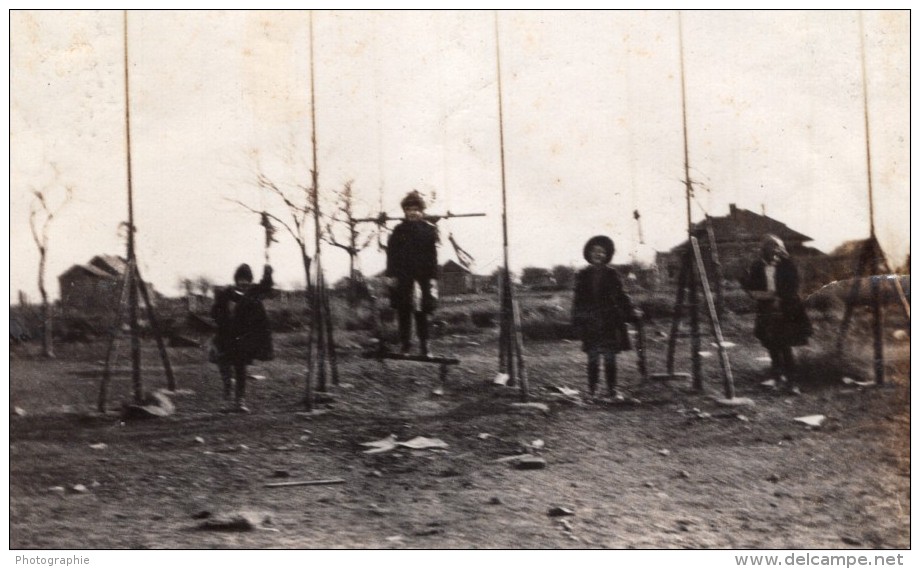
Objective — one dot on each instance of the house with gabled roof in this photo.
(454, 278)
(94, 288)
(737, 237)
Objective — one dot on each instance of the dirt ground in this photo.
(669, 468)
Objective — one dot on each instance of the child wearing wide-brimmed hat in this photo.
(600, 311)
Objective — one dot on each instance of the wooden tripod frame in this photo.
(132, 278)
(321, 351)
(871, 264)
(687, 289)
(511, 340)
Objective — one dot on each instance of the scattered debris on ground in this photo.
(812, 420)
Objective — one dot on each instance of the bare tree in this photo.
(41, 213)
(298, 213)
(187, 284)
(203, 285)
(344, 216)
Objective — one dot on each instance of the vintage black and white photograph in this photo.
(436, 279)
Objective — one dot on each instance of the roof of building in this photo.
(91, 270)
(102, 266)
(112, 264)
(848, 248)
(452, 266)
(745, 226)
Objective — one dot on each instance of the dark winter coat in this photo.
(243, 332)
(412, 256)
(601, 309)
(782, 322)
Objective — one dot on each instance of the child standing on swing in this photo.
(243, 333)
(412, 268)
(600, 311)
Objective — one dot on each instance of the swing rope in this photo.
(465, 258)
(270, 231)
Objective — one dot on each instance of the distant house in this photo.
(643, 276)
(454, 279)
(94, 288)
(537, 278)
(195, 302)
(738, 236)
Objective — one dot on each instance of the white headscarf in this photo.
(772, 244)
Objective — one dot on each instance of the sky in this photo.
(591, 117)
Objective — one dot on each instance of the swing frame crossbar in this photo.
(434, 218)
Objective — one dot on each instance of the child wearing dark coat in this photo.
(243, 332)
(412, 269)
(600, 311)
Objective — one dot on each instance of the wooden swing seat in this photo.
(379, 355)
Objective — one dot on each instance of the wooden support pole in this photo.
(696, 368)
(728, 380)
(678, 309)
(511, 341)
(502, 327)
(865, 91)
(640, 350)
(878, 321)
(502, 344)
(112, 348)
(507, 333)
(308, 398)
(317, 334)
(136, 380)
(134, 328)
(905, 304)
(866, 265)
(519, 349)
(851, 301)
(330, 335)
(718, 277)
(155, 324)
(319, 321)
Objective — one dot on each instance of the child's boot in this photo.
(612, 392)
(421, 328)
(593, 373)
(241, 406)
